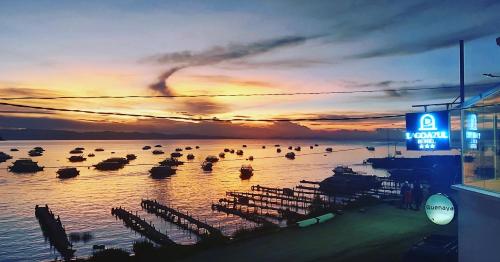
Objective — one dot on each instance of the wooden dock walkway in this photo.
(246, 215)
(183, 220)
(141, 226)
(54, 230)
(306, 200)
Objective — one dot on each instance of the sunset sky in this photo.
(82, 48)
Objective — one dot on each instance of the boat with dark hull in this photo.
(290, 155)
(25, 165)
(68, 172)
(34, 152)
(207, 166)
(175, 154)
(76, 151)
(171, 162)
(190, 157)
(4, 157)
(77, 159)
(212, 159)
(111, 164)
(158, 152)
(159, 172)
(246, 171)
(131, 157)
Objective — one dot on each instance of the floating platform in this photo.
(141, 226)
(181, 219)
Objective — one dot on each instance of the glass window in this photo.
(481, 150)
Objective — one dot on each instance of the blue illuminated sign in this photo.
(428, 131)
(472, 136)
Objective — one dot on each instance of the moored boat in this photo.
(146, 147)
(211, 159)
(158, 152)
(190, 157)
(34, 153)
(4, 157)
(246, 171)
(131, 157)
(290, 155)
(158, 145)
(14, 150)
(329, 149)
(161, 171)
(222, 155)
(239, 152)
(178, 149)
(176, 154)
(297, 148)
(343, 170)
(99, 149)
(278, 150)
(250, 158)
(113, 163)
(91, 155)
(171, 162)
(76, 159)
(76, 151)
(68, 172)
(25, 165)
(188, 148)
(370, 148)
(207, 166)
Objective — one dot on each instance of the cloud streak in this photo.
(215, 55)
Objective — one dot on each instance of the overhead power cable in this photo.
(228, 95)
(201, 118)
(222, 120)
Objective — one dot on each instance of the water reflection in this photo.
(84, 203)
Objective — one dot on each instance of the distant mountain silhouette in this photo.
(339, 135)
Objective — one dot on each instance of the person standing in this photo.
(417, 195)
(408, 196)
(404, 188)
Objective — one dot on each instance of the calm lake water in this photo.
(84, 203)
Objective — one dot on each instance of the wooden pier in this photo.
(181, 219)
(54, 230)
(246, 215)
(141, 226)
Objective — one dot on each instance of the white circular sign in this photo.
(439, 209)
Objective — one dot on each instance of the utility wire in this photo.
(225, 120)
(201, 118)
(228, 95)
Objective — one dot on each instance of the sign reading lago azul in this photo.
(428, 131)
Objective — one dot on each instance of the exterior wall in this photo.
(478, 225)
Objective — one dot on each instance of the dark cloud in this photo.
(233, 80)
(216, 55)
(14, 91)
(434, 42)
(383, 84)
(233, 51)
(203, 106)
(161, 85)
(212, 56)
